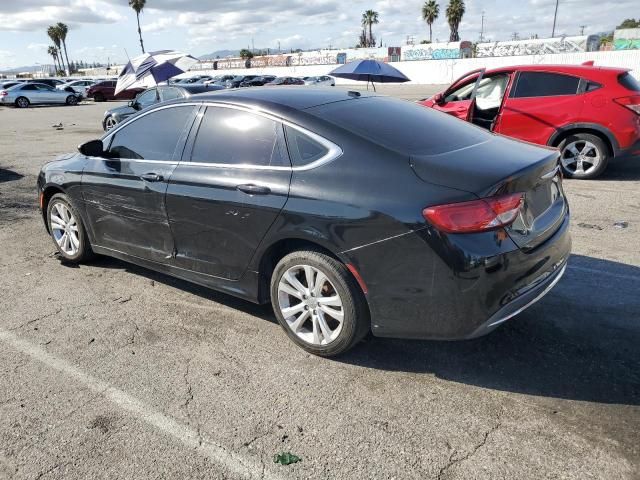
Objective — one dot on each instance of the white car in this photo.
(325, 80)
(78, 86)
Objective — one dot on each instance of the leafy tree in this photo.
(430, 13)
(246, 53)
(630, 23)
(455, 12)
(53, 51)
(425, 42)
(54, 35)
(369, 18)
(138, 6)
(62, 33)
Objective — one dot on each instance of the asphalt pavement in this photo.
(108, 370)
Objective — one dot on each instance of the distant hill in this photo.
(29, 68)
(220, 54)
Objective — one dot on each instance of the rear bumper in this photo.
(425, 285)
(530, 295)
(629, 152)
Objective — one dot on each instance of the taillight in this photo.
(475, 216)
(632, 103)
(3, 93)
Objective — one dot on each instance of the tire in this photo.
(583, 156)
(99, 97)
(22, 102)
(308, 321)
(72, 100)
(108, 123)
(72, 252)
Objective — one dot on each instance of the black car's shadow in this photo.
(581, 342)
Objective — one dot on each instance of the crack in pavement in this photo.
(187, 403)
(456, 461)
(37, 319)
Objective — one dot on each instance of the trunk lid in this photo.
(501, 166)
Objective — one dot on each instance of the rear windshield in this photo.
(402, 125)
(628, 82)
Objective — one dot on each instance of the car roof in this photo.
(569, 69)
(281, 99)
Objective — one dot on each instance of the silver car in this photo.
(78, 86)
(35, 93)
(324, 80)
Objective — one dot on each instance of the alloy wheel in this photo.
(580, 157)
(109, 123)
(23, 102)
(64, 228)
(310, 305)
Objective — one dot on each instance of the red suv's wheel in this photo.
(583, 156)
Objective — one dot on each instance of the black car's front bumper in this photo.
(426, 285)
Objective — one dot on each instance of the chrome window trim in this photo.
(333, 150)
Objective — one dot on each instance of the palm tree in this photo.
(369, 18)
(430, 13)
(138, 5)
(54, 35)
(53, 51)
(62, 33)
(455, 11)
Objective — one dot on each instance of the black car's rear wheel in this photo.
(67, 230)
(22, 102)
(318, 303)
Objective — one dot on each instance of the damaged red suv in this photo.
(592, 114)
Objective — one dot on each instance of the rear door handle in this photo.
(151, 177)
(252, 189)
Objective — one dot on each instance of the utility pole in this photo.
(555, 16)
(582, 29)
(482, 28)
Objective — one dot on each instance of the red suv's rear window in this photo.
(629, 82)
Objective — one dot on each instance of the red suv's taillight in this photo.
(475, 216)
(632, 103)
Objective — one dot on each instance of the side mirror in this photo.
(92, 148)
(438, 98)
(131, 103)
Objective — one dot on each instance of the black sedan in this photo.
(161, 93)
(351, 213)
(258, 81)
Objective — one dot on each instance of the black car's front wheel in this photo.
(318, 303)
(67, 230)
(108, 123)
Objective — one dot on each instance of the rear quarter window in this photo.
(545, 84)
(629, 82)
(401, 125)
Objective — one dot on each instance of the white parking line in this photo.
(235, 463)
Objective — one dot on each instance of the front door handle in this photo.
(252, 189)
(151, 177)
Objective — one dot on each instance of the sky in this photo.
(105, 30)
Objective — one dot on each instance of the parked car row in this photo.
(236, 81)
(22, 95)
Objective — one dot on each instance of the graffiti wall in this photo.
(537, 46)
(626, 39)
(431, 51)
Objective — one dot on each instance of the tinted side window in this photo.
(234, 137)
(29, 87)
(153, 136)
(542, 84)
(147, 98)
(303, 149)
